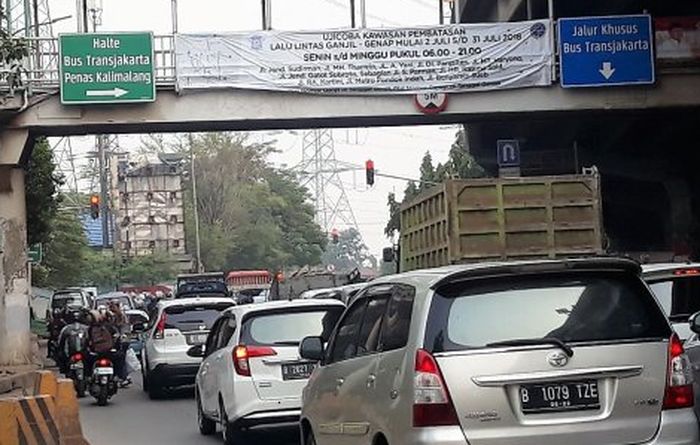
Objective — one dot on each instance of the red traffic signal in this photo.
(369, 171)
(95, 206)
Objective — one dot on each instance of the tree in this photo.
(41, 190)
(251, 214)
(147, 270)
(460, 165)
(103, 270)
(349, 253)
(65, 254)
(427, 172)
(12, 51)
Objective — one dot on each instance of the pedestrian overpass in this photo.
(37, 111)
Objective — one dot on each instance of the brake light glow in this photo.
(104, 363)
(686, 272)
(77, 357)
(242, 354)
(432, 405)
(679, 387)
(159, 333)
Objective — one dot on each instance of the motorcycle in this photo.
(76, 372)
(103, 383)
(73, 341)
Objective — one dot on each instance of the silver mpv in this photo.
(573, 352)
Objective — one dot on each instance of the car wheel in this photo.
(207, 426)
(310, 439)
(144, 379)
(231, 435)
(155, 390)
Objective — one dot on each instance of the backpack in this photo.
(101, 339)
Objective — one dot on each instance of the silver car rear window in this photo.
(573, 308)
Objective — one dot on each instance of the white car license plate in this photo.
(197, 339)
(104, 371)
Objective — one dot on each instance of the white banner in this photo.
(452, 58)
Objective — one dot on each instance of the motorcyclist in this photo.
(108, 334)
(71, 338)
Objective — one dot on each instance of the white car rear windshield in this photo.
(679, 296)
(289, 328)
(571, 308)
(192, 318)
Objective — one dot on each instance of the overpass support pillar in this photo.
(15, 347)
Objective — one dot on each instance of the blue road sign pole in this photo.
(606, 51)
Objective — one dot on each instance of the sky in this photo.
(397, 150)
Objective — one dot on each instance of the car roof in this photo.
(109, 295)
(437, 276)
(194, 301)
(282, 304)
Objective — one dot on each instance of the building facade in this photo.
(151, 216)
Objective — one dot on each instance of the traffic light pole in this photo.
(104, 210)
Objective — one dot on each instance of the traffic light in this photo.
(95, 206)
(335, 236)
(369, 170)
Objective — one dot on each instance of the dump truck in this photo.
(494, 219)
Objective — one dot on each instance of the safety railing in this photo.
(40, 68)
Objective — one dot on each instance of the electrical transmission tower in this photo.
(320, 173)
(65, 163)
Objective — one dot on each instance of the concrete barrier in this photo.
(46, 414)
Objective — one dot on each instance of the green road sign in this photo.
(107, 68)
(36, 253)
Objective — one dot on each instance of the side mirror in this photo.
(196, 351)
(695, 322)
(311, 349)
(388, 255)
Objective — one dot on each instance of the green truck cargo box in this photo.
(474, 220)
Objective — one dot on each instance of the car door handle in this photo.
(339, 382)
(219, 357)
(371, 381)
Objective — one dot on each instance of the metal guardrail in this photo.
(40, 72)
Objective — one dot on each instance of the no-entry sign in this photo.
(107, 68)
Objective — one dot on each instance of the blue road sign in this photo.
(606, 51)
(508, 152)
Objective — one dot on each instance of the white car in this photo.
(252, 374)
(177, 326)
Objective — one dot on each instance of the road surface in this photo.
(131, 418)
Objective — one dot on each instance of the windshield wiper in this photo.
(535, 341)
(286, 343)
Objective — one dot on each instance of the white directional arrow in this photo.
(115, 92)
(607, 71)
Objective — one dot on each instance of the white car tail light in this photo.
(159, 333)
(242, 354)
(432, 405)
(679, 387)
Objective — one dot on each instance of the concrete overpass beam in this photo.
(15, 347)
